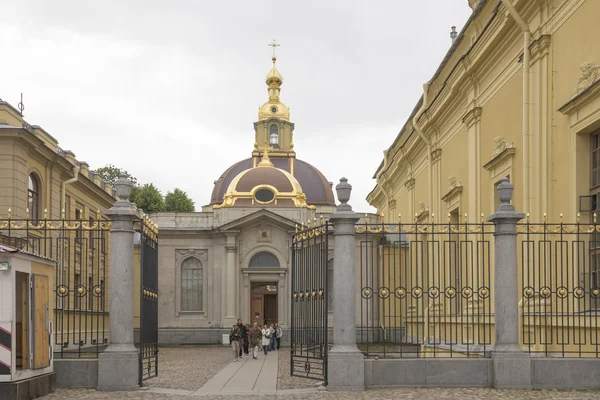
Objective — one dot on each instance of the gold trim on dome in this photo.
(297, 195)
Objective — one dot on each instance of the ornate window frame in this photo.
(180, 256)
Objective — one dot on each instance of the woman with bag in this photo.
(235, 338)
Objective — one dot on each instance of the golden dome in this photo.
(274, 77)
(274, 107)
(264, 185)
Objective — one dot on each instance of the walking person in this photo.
(255, 337)
(272, 341)
(266, 338)
(235, 339)
(243, 337)
(278, 334)
(246, 342)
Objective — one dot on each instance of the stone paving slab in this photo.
(245, 376)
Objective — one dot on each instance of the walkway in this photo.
(246, 376)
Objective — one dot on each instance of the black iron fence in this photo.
(148, 353)
(560, 303)
(80, 249)
(310, 293)
(425, 290)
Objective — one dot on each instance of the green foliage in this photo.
(148, 198)
(110, 173)
(178, 201)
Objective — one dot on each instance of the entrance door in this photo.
(263, 303)
(256, 309)
(270, 308)
(41, 336)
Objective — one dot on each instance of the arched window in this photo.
(33, 197)
(274, 136)
(330, 285)
(191, 284)
(264, 260)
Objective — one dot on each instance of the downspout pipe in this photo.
(415, 123)
(526, 134)
(64, 184)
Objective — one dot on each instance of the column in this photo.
(346, 363)
(512, 366)
(231, 293)
(118, 365)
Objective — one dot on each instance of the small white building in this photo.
(26, 304)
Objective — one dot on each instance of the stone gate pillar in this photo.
(118, 365)
(512, 366)
(346, 368)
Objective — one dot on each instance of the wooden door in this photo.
(22, 328)
(256, 309)
(271, 308)
(40, 316)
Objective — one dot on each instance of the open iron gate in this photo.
(148, 302)
(309, 342)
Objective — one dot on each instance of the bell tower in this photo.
(273, 128)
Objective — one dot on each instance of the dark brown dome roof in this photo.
(314, 185)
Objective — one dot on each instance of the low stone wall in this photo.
(565, 373)
(428, 372)
(78, 372)
(546, 373)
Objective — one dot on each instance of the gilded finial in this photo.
(315, 221)
(308, 224)
(466, 218)
(561, 217)
(448, 217)
(527, 217)
(9, 213)
(578, 215)
(545, 217)
(296, 228)
(62, 214)
(302, 226)
(381, 217)
(594, 218)
(98, 214)
(481, 218)
(322, 220)
(432, 217)
(27, 212)
(45, 213)
(400, 218)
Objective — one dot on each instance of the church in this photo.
(233, 259)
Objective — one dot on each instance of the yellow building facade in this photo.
(469, 129)
(518, 96)
(52, 204)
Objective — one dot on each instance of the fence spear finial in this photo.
(594, 218)
(9, 213)
(400, 218)
(448, 217)
(481, 218)
(578, 215)
(45, 213)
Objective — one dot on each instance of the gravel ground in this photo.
(284, 380)
(379, 394)
(189, 367)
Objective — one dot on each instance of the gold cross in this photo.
(273, 45)
(265, 150)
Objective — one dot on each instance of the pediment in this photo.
(260, 216)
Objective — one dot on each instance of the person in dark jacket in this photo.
(235, 339)
(255, 339)
(244, 335)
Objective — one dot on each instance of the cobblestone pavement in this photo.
(189, 367)
(184, 369)
(284, 380)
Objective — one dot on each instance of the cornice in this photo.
(507, 153)
(472, 117)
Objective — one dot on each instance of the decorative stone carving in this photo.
(589, 75)
(392, 204)
(410, 184)
(422, 209)
(453, 183)
(264, 235)
(436, 155)
(500, 145)
(201, 254)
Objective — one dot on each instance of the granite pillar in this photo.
(118, 365)
(345, 370)
(511, 366)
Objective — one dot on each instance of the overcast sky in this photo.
(169, 90)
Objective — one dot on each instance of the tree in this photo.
(178, 201)
(148, 198)
(110, 173)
